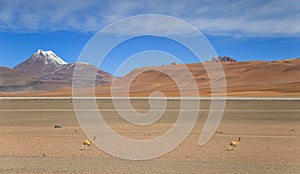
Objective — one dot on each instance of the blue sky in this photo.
(245, 30)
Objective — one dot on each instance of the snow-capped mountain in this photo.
(48, 57)
(40, 64)
(46, 66)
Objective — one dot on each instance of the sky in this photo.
(245, 30)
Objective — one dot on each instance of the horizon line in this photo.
(156, 98)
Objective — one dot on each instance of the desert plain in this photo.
(269, 130)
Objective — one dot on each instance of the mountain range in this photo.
(46, 74)
(44, 70)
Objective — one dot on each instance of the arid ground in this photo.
(269, 131)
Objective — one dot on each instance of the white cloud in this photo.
(151, 24)
(223, 17)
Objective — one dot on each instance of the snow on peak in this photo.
(48, 56)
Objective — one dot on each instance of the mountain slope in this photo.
(11, 80)
(253, 78)
(85, 73)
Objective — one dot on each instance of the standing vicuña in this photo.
(88, 143)
(234, 144)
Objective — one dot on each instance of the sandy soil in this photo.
(270, 132)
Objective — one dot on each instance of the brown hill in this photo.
(11, 80)
(253, 78)
(242, 78)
